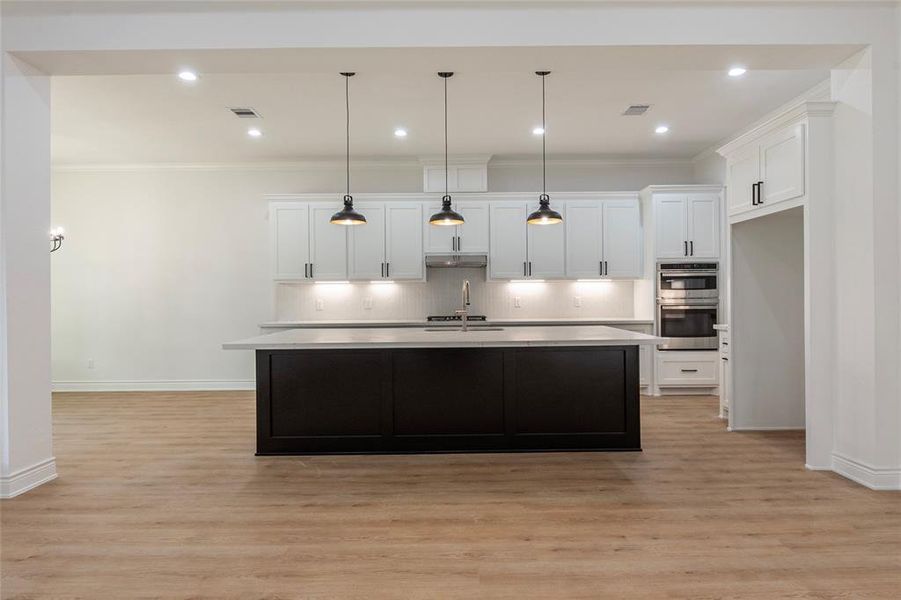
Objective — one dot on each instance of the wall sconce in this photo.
(57, 236)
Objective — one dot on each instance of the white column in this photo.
(25, 418)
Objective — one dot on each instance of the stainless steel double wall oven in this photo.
(687, 305)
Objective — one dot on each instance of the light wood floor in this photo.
(160, 496)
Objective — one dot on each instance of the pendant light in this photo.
(447, 216)
(545, 215)
(347, 215)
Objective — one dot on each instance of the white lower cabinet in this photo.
(687, 368)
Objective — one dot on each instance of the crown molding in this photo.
(601, 161)
(306, 165)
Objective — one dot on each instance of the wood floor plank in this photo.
(160, 496)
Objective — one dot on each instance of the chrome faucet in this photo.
(463, 313)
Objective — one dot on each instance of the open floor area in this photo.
(160, 495)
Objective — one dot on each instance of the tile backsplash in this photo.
(441, 295)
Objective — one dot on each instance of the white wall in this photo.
(26, 443)
(767, 328)
(162, 265)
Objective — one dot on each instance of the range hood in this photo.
(456, 261)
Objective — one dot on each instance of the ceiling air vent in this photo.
(246, 113)
(636, 110)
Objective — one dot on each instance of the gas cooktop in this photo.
(456, 318)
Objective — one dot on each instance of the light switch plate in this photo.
(320, 304)
(577, 301)
(517, 302)
(367, 303)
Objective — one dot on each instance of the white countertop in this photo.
(423, 323)
(409, 337)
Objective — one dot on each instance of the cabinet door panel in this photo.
(328, 243)
(703, 226)
(474, 231)
(622, 238)
(508, 240)
(367, 244)
(584, 252)
(438, 240)
(404, 241)
(743, 170)
(782, 165)
(290, 235)
(670, 224)
(546, 246)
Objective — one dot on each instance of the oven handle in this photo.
(689, 306)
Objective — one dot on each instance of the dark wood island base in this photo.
(468, 399)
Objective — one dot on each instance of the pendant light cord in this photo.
(347, 130)
(445, 139)
(543, 140)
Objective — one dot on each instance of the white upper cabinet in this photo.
(546, 245)
(519, 250)
(389, 246)
(671, 237)
(328, 243)
(438, 240)
(584, 243)
(622, 241)
(603, 238)
(367, 243)
(508, 255)
(744, 174)
(703, 225)
(404, 256)
(766, 168)
(782, 166)
(289, 227)
(472, 235)
(687, 225)
(464, 174)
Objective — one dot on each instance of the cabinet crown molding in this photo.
(794, 114)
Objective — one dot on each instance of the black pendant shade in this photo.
(347, 215)
(545, 215)
(447, 216)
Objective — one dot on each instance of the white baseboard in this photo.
(28, 478)
(875, 478)
(158, 385)
(786, 428)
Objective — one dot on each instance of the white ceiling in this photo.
(146, 114)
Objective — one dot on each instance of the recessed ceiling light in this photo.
(538, 131)
(737, 71)
(661, 129)
(187, 75)
(400, 132)
(254, 132)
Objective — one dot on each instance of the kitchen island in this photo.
(440, 389)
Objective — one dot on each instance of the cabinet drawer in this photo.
(687, 370)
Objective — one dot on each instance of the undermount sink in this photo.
(460, 329)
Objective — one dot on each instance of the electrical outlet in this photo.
(367, 303)
(320, 304)
(577, 301)
(517, 302)
(90, 363)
